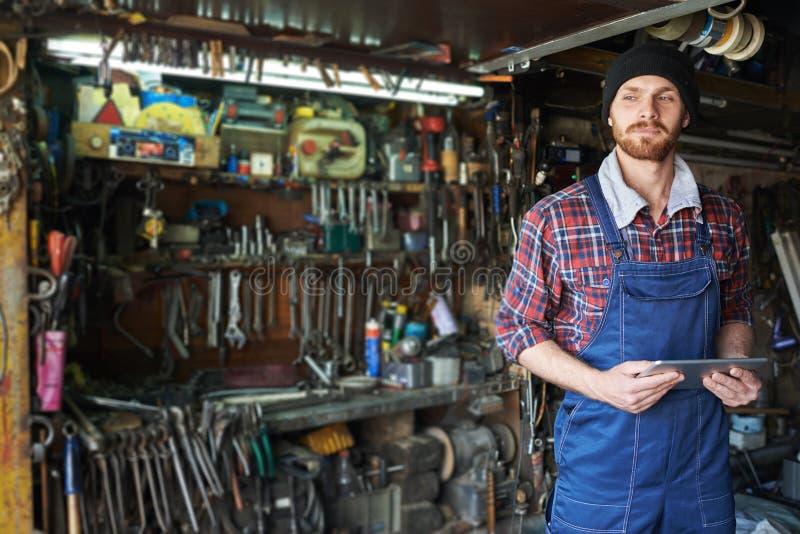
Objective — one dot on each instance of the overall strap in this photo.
(702, 244)
(607, 223)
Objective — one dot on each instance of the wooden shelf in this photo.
(194, 176)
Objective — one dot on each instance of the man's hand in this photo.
(620, 387)
(738, 388)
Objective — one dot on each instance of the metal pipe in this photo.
(734, 162)
(734, 145)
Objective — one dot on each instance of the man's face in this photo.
(646, 117)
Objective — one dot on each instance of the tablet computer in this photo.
(695, 370)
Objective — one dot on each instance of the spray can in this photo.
(372, 350)
(399, 323)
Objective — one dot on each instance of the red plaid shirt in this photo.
(559, 283)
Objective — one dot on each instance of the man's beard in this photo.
(643, 147)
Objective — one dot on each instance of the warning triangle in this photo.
(109, 114)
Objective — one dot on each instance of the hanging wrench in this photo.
(341, 200)
(213, 311)
(362, 206)
(373, 198)
(258, 315)
(351, 200)
(294, 332)
(233, 333)
(348, 361)
(247, 320)
(195, 310)
(183, 436)
(324, 203)
(384, 212)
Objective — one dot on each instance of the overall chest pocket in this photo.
(679, 285)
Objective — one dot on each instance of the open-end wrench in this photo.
(195, 310)
(384, 212)
(213, 311)
(177, 414)
(233, 333)
(113, 461)
(306, 311)
(272, 320)
(339, 315)
(173, 296)
(145, 456)
(258, 315)
(341, 200)
(444, 207)
(324, 203)
(178, 469)
(247, 316)
(100, 459)
(362, 206)
(133, 460)
(259, 234)
(373, 197)
(348, 361)
(294, 332)
(351, 200)
(157, 456)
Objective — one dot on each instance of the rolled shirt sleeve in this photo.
(735, 289)
(532, 291)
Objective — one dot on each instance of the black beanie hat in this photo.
(655, 60)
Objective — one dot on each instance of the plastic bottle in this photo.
(372, 348)
(449, 151)
(346, 477)
(233, 160)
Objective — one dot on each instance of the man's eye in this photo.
(628, 97)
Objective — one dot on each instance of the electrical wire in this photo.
(541, 406)
(4, 325)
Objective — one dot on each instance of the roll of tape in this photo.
(673, 29)
(712, 31)
(8, 69)
(755, 41)
(695, 28)
(744, 40)
(732, 36)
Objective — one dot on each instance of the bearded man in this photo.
(635, 264)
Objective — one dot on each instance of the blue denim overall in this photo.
(664, 470)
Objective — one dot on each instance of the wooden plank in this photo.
(92, 140)
(16, 507)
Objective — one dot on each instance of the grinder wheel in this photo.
(448, 457)
(506, 442)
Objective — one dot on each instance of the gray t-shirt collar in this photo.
(625, 203)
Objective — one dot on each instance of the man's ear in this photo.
(609, 121)
(685, 121)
